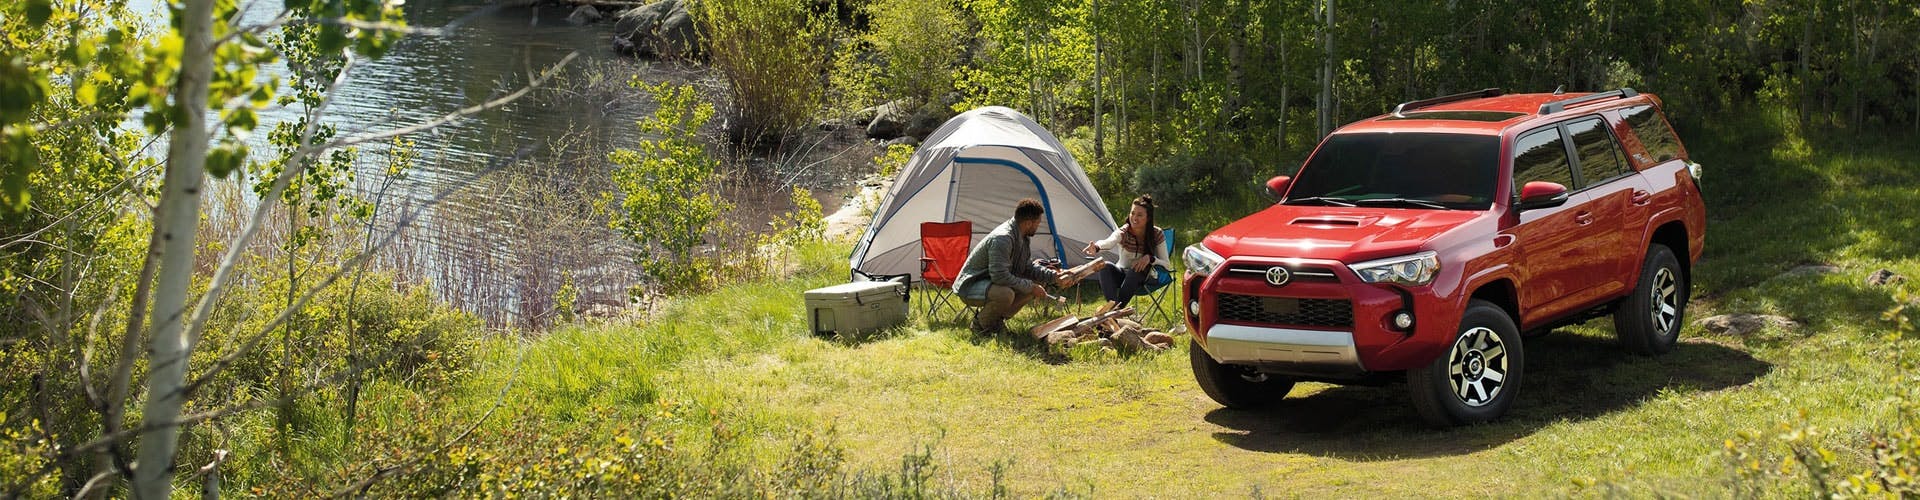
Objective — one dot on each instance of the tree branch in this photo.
(253, 341)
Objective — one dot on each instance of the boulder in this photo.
(1742, 324)
(1160, 339)
(927, 118)
(1885, 277)
(902, 140)
(586, 14)
(865, 115)
(890, 120)
(662, 30)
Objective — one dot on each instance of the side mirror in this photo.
(1542, 194)
(1277, 187)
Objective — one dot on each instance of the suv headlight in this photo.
(1200, 260)
(1410, 270)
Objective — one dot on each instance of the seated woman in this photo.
(1140, 248)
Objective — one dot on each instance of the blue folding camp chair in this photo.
(1157, 289)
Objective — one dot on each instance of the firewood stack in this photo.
(1110, 329)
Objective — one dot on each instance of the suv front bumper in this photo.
(1315, 350)
(1324, 323)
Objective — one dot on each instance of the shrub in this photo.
(773, 55)
(670, 204)
(893, 159)
(920, 41)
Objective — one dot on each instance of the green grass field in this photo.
(735, 377)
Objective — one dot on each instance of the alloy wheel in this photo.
(1666, 301)
(1477, 366)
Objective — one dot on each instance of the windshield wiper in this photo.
(1403, 201)
(1326, 200)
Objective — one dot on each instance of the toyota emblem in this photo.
(1278, 276)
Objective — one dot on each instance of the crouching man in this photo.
(1000, 276)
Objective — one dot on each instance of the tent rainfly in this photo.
(976, 167)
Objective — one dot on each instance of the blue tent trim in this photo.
(1060, 250)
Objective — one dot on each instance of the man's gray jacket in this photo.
(1002, 258)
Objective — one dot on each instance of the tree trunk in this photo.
(284, 424)
(1284, 80)
(115, 406)
(1325, 120)
(179, 219)
(1099, 83)
(1806, 76)
(1236, 62)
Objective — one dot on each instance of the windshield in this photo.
(1412, 170)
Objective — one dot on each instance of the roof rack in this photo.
(1562, 105)
(1413, 105)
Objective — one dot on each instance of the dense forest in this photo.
(1180, 95)
(146, 318)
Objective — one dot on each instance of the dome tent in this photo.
(977, 167)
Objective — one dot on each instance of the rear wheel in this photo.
(1648, 321)
(1478, 376)
(1235, 386)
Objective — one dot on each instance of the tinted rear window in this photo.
(1599, 157)
(1456, 170)
(1654, 133)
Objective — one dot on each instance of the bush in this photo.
(773, 55)
(920, 41)
(670, 204)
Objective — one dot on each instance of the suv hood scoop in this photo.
(1334, 221)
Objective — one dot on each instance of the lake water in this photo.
(509, 238)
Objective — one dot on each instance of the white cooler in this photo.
(857, 307)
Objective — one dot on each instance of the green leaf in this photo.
(226, 158)
(21, 159)
(331, 40)
(39, 10)
(86, 94)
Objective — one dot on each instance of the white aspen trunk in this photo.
(179, 218)
(1284, 71)
(1325, 120)
(1099, 81)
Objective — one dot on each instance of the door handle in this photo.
(1641, 197)
(1583, 218)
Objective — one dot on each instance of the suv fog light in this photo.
(1194, 308)
(1402, 320)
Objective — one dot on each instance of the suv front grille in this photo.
(1300, 273)
(1331, 313)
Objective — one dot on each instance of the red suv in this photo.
(1421, 243)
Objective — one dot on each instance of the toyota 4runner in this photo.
(1420, 244)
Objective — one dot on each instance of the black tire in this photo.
(1491, 363)
(1648, 321)
(1234, 386)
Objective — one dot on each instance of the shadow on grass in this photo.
(1568, 378)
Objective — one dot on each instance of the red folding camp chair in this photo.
(943, 250)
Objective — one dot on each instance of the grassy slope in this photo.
(1136, 425)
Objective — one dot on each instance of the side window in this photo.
(1599, 157)
(1540, 156)
(1654, 133)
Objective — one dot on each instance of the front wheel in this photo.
(1648, 320)
(1234, 386)
(1478, 376)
